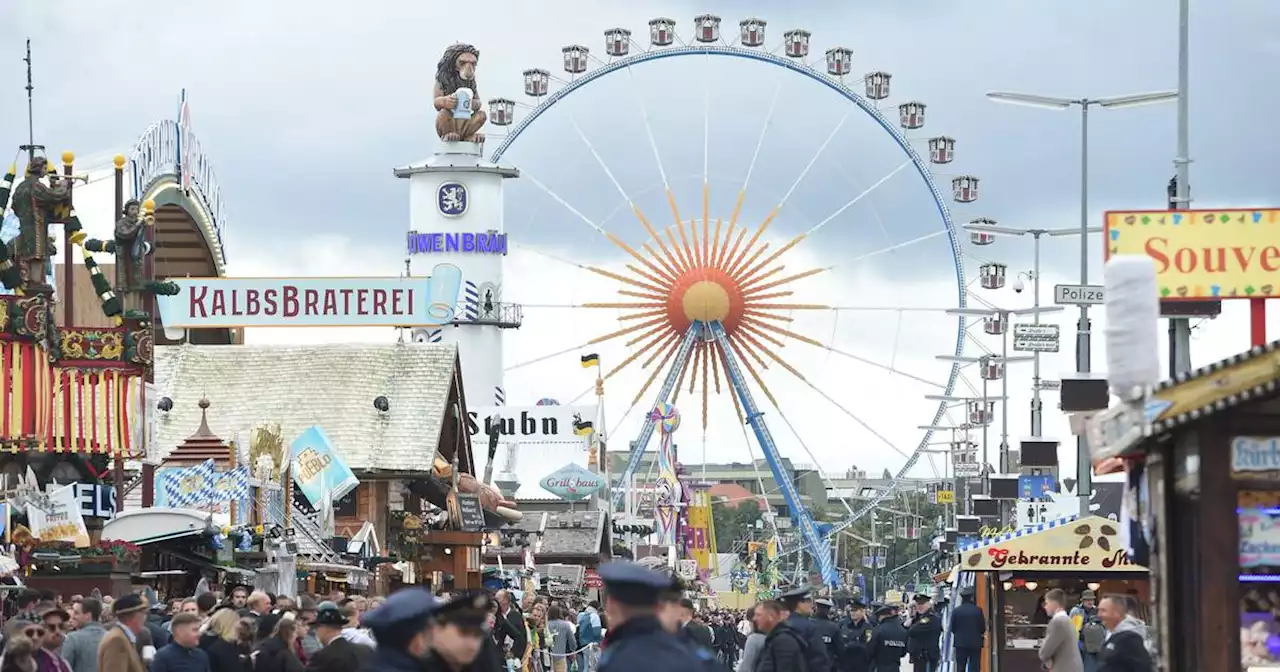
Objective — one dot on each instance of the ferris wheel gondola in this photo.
(705, 295)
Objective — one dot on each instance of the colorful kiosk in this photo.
(1013, 571)
(1202, 457)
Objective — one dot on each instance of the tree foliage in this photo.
(733, 522)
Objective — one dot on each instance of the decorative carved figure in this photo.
(457, 102)
(38, 205)
(130, 247)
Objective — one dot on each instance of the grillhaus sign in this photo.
(1087, 545)
(572, 482)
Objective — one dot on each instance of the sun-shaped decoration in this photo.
(703, 272)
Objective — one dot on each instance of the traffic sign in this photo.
(967, 468)
(1049, 384)
(1035, 337)
(946, 496)
(1078, 295)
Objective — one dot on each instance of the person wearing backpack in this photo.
(1093, 634)
(589, 636)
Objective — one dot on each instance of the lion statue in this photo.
(457, 70)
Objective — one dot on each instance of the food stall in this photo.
(1074, 554)
(1202, 456)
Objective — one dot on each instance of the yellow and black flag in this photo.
(582, 427)
(591, 360)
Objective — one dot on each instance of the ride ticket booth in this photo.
(1017, 569)
(1202, 456)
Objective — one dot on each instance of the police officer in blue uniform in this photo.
(418, 633)
(888, 641)
(800, 605)
(968, 630)
(636, 640)
(924, 636)
(826, 629)
(855, 637)
(400, 627)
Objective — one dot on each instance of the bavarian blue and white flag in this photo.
(187, 488)
(227, 487)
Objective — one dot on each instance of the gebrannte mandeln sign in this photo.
(214, 303)
(1089, 544)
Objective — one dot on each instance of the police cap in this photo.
(968, 591)
(467, 609)
(824, 602)
(402, 615)
(799, 593)
(885, 610)
(857, 603)
(921, 598)
(631, 584)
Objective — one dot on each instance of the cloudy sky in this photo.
(304, 108)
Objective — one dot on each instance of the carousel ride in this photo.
(715, 287)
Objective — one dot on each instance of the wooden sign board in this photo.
(470, 512)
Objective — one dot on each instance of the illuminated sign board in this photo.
(1203, 254)
(217, 303)
(171, 147)
(489, 242)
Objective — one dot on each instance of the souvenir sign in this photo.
(572, 482)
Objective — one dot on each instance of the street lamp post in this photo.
(1004, 360)
(1084, 466)
(962, 432)
(1036, 406)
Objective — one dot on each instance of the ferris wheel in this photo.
(722, 176)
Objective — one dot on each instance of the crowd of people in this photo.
(646, 623)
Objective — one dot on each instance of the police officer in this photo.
(800, 605)
(826, 629)
(968, 629)
(924, 636)
(855, 636)
(400, 626)
(888, 641)
(637, 641)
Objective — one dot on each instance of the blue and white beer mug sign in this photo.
(462, 110)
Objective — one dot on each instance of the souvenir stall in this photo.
(1202, 458)
(1073, 554)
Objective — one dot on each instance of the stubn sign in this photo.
(572, 482)
(531, 424)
